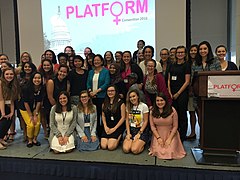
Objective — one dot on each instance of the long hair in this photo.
(112, 58)
(189, 56)
(107, 106)
(59, 106)
(210, 55)
(122, 64)
(54, 58)
(23, 73)
(116, 77)
(167, 109)
(29, 56)
(30, 86)
(91, 107)
(128, 103)
(10, 90)
(47, 75)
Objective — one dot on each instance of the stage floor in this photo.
(18, 149)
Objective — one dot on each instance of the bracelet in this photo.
(158, 137)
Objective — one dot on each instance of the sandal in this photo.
(11, 136)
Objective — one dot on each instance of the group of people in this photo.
(103, 101)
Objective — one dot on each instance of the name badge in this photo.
(133, 125)
(125, 80)
(112, 118)
(86, 124)
(174, 78)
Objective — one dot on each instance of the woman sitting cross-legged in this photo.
(87, 124)
(166, 143)
(113, 117)
(62, 124)
(136, 124)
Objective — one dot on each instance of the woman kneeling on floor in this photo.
(166, 143)
(62, 123)
(136, 124)
(113, 117)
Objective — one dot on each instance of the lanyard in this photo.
(64, 114)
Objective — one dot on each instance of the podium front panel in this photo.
(221, 125)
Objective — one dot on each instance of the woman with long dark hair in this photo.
(166, 143)
(63, 117)
(113, 117)
(30, 106)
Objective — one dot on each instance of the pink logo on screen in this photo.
(233, 87)
(116, 9)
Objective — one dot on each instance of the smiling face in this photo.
(111, 92)
(25, 57)
(84, 98)
(87, 51)
(9, 75)
(203, 50)
(47, 66)
(63, 100)
(68, 51)
(3, 58)
(49, 55)
(133, 98)
(97, 61)
(77, 63)
(180, 53)
(4, 66)
(160, 102)
(62, 73)
(221, 53)
(150, 67)
(112, 69)
(108, 56)
(164, 55)
(193, 52)
(147, 54)
(126, 58)
(27, 68)
(37, 79)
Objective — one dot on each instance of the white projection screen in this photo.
(102, 25)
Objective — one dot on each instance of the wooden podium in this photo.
(219, 104)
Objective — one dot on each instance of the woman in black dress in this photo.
(113, 117)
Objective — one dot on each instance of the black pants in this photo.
(5, 123)
(98, 103)
(180, 104)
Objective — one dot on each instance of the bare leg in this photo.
(127, 143)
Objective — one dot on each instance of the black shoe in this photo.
(29, 145)
(37, 143)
